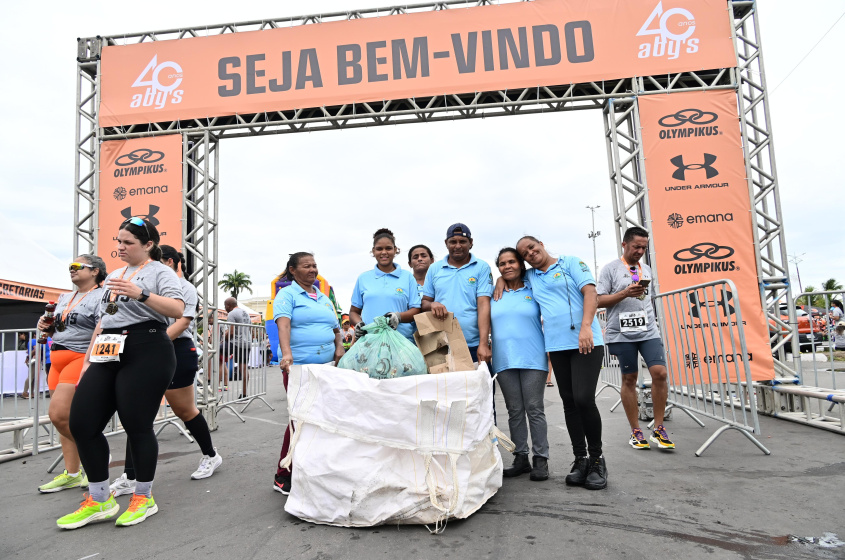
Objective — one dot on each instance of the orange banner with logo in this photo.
(701, 218)
(460, 50)
(140, 177)
(29, 292)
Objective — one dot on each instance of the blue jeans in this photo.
(524, 390)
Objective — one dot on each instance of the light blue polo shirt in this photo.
(312, 324)
(459, 289)
(517, 332)
(377, 292)
(558, 291)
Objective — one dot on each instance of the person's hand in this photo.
(633, 291)
(484, 353)
(338, 353)
(286, 362)
(43, 326)
(124, 288)
(498, 289)
(585, 340)
(359, 330)
(439, 310)
(392, 319)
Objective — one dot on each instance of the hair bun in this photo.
(382, 231)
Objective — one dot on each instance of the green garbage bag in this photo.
(384, 354)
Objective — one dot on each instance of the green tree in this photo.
(805, 300)
(236, 282)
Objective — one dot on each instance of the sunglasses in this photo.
(136, 221)
(74, 266)
(634, 276)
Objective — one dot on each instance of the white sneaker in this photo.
(122, 485)
(207, 466)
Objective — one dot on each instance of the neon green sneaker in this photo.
(140, 508)
(63, 482)
(89, 511)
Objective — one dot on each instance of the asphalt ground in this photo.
(733, 502)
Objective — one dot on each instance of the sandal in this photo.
(549, 384)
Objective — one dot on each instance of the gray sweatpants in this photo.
(524, 390)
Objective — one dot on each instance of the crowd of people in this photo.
(123, 341)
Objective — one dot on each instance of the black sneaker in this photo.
(578, 475)
(540, 470)
(282, 484)
(597, 477)
(520, 466)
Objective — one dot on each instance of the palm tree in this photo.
(804, 299)
(236, 282)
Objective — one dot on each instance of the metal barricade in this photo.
(707, 358)
(611, 374)
(244, 363)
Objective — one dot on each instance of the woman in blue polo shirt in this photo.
(385, 290)
(519, 359)
(308, 333)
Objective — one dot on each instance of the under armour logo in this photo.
(696, 304)
(150, 217)
(680, 173)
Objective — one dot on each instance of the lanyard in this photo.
(639, 267)
(70, 307)
(111, 296)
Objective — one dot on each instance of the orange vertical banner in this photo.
(701, 214)
(139, 177)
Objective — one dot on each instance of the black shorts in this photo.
(187, 363)
(651, 350)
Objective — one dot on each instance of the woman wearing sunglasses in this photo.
(128, 367)
(180, 394)
(77, 315)
(566, 292)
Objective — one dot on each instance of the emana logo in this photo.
(664, 25)
(157, 93)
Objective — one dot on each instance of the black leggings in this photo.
(132, 387)
(577, 376)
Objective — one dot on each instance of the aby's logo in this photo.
(672, 30)
(472, 280)
(161, 82)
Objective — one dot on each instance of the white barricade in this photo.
(413, 450)
(244, 363)
(719, 387)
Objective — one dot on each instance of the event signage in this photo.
(459, 50)
(29, 292)
(701, 219)
(140, 177)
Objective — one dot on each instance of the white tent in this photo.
(28, 262)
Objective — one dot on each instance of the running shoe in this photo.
(122, 485)
(207, 466)
(140, 508)
(638, 440)
(63, 482)
(661, 438)
(89, 511)
(282, 484)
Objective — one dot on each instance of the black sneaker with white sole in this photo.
(282, 484)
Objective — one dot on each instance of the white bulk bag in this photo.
(366, 452)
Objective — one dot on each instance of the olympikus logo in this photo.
(141, 155)
(672, 29)
(157, 94)
(691, 120)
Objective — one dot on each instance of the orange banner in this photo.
(701, 213)
(140, 177)
(525, 44)
(29, 292)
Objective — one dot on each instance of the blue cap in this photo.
(463, 233)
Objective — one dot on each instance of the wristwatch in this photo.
(145, 294)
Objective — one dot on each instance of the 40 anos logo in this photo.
(671, 28)
(161, 85)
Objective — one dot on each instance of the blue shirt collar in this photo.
(472, 260)
(558, 263)
(394, 273)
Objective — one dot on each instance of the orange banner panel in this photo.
(140, 177)
(29, 292)
(526, 44)
(701, 213)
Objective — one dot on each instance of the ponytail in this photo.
(170, 253)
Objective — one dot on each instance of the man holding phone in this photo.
(632, 330)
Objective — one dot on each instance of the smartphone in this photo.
(645, 282)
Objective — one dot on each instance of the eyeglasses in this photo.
(74, 266)
(634, 276)
(136, 221)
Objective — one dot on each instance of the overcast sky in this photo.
(327, 192)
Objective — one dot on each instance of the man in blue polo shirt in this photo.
(462, 284)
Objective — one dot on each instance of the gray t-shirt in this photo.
(157, 278)
(614, 278)
(80, 321)
(191, 298)
(239, 335)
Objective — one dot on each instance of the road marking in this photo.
(260, 420)
(91, 556)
